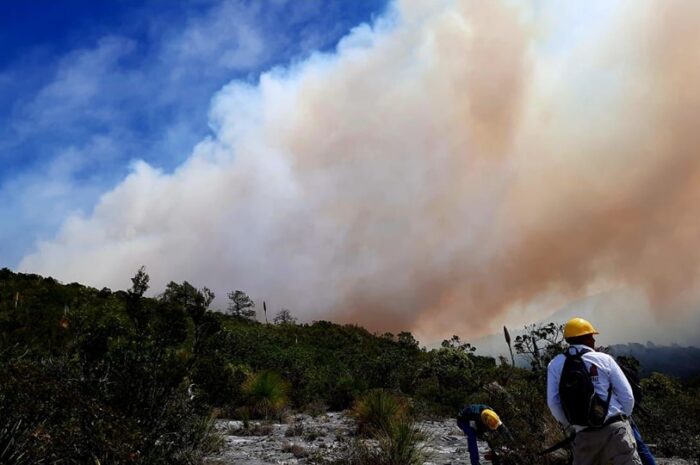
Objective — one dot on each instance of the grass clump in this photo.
(378, 411)
(13, 443)
(402, 445)
(266, 394)
(386, 419)
(296, 429)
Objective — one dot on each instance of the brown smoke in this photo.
(626, 211)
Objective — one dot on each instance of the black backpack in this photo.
(582, 406)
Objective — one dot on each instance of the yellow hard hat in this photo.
(490, 419)
(578, 327)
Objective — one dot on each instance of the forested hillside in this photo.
(675, 360)
(96, 376)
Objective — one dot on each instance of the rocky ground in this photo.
(310, 440)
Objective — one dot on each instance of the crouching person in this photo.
(477, 421)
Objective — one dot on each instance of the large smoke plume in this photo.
(442, 169)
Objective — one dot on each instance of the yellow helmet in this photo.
(578, 327)
(490, 419)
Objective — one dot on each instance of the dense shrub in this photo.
(98, 378)
(668, 416)
(445, 378)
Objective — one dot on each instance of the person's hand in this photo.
(506, 432)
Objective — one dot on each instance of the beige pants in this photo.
(613, 443)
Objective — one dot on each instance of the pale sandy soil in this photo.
(306, 440)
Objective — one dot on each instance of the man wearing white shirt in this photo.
(612, 439)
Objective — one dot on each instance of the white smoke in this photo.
(444, 166)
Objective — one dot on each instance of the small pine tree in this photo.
(241, 305)
(134, 303)
(284, 317)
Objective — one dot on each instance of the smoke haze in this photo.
(451, 167)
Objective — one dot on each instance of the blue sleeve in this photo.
(473, 447)
(642, 449)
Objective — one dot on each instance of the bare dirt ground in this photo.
(310, 440)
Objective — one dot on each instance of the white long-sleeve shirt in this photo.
(604, 371)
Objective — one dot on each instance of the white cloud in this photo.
(108, 102)
(230, 36)
(79, 83)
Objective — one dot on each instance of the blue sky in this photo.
(88, 87)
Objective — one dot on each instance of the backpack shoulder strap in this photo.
(577, 352)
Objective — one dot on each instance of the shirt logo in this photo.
(593, 372)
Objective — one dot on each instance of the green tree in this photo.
(540, 344)
(284, 317)
(194, 301)
(135, 307)
(455, 343)
(241, 305)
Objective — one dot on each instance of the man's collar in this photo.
(581, 347)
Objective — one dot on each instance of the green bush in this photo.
(266, 394)
(669, 405)
(446, 377)
(96, 377)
